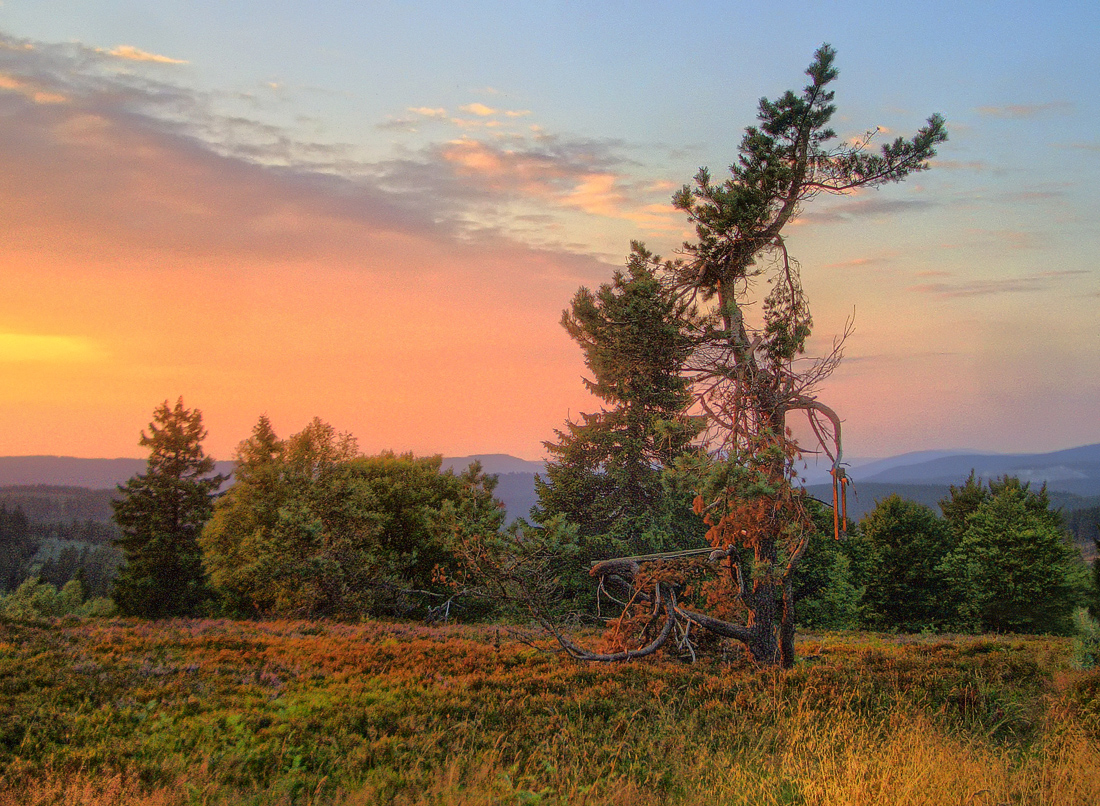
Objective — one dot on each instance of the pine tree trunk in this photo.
(764, 644)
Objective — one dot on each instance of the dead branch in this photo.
(579, 653)
(724, 628)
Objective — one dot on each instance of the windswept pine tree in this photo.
(748, 371)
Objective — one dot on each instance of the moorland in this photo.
(120, 711)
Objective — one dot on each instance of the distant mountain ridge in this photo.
(923, 475)
(22, 474)
(70, 471)
(497, 463)
(863, 496)
(1074, 470)
(102, 474)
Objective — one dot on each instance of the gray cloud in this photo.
(1031, 195)
(1020, 111)
(875, 262)
(860, 208)
(897, 358)
(977, 166)
(1028, 284)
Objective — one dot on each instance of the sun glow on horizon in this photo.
(20, 347)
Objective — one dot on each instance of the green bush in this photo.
(35, 599)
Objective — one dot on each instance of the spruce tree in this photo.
(605, 471)
(160, 514)
(908, 541)
(237, 540)
(1014, 569)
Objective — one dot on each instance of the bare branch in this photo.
(724, 628)
(579, 653)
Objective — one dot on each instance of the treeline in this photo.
(310, 528)
(1079, 514)
(56, 553)
(998, 560)
(58, 504)
(313, 528)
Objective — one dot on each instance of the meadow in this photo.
(97, 712)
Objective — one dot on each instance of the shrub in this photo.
(35, 599)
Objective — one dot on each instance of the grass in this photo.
(98, 713)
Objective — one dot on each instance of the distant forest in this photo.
(1080, 515)
(58, 534)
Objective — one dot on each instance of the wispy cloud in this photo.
(131, 157)
(854, 357)
(30, 90)
(1020, 111)
(1028, 284)
(1032, 195)
(976, 166)
(860, 208)
(133, 54)
(580, 175)
(152, 138)
(466, 123)
(856, 263)
(481, 110)
(419, 115)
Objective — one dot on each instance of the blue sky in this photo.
(375, 212)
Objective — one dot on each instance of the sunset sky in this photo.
(375, 212)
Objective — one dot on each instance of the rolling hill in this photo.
(1072, 476)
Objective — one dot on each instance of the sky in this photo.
(375, 212)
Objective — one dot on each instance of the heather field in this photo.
(220, 712)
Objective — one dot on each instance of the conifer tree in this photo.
(605, 471)
(237, 541)
(160, 514)
(1014, 569)
(748, 370)
(908, 542)
(749, 363)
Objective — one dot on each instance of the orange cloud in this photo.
(1019, 111)
(133, 54)
(30, 91)
(481, 110)
(566, 181)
